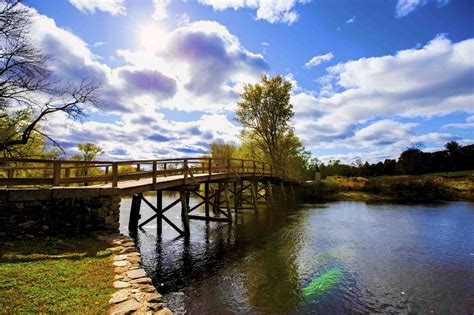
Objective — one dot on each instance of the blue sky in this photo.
(370, 77)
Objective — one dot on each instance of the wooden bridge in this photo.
(229, 184)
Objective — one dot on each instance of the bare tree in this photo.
(26, 82)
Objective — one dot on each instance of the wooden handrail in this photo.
(31, 172)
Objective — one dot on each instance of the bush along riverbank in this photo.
(391, 188)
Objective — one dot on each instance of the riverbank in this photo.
(54, 275)
(392, 188)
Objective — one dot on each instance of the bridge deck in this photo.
(171, 182)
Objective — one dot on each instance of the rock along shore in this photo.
(135, 291)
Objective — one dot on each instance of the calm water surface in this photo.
(336, 258)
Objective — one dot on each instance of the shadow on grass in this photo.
(52, 248)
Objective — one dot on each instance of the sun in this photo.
(151, 36)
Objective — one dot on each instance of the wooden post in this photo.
(206, 198)
(241, 193)
(227, 200)
(11, 175)
(243, 166)
(228, 167)
(209, 168)
(215, 208)
(138, 167)
(236, 197)
(270, 190)
(253, 189)
(153, 174)
(185, 171)
(283, 190)
(159, 207)
(164, 169)
(184, 211)
(56, 173)
(134, 213)
(114, 174)
(293, 192)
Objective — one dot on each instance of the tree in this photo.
(265, 112)
(26, 83)
(89, 151)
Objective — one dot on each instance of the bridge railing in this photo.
(51, 173)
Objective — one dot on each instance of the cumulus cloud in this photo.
(148, 81)
(161, 9)
(273, 11)
(316, 60)
(114, 7)
(405, 7)
(436, 79)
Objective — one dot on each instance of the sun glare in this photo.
(151, 36)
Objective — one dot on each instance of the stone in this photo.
(116, 249)
(164, 311)
(134, 260)
(144, 280)
(154, 306)
(121, 284)
(153, 297)
(128, 244)
(120, 269)
(140, 297)
(119, 296)
(126, 307)
(119, 276)
(136, 273)
(127, 250)
(147, 288)
(121, 263)
(120, 257)
(132, 254)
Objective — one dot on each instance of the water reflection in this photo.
(362, 258)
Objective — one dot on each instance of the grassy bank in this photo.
(55, 276)
(437, 187)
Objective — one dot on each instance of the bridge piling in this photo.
(159, 208)
(134, 213)
(184, 195)
(282, 185)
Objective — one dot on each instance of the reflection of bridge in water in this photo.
(229, 184)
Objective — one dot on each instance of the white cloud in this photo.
(98, 44)
(436, 79)
(351, 20)
(273, 11)
(405, 7)
(316, 60)
(161, 9)
(114, 7)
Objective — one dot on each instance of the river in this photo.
(334, 258)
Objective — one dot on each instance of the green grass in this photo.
(55, 276)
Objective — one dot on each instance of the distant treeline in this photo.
(412, 161)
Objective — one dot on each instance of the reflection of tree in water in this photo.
(270, 276)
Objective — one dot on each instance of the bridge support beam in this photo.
(159, 208)
(253, 188)
(206, 198)
(184, 195)
(134, 213)
(282, 185)
(270, 190)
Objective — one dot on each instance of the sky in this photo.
(370, 77)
